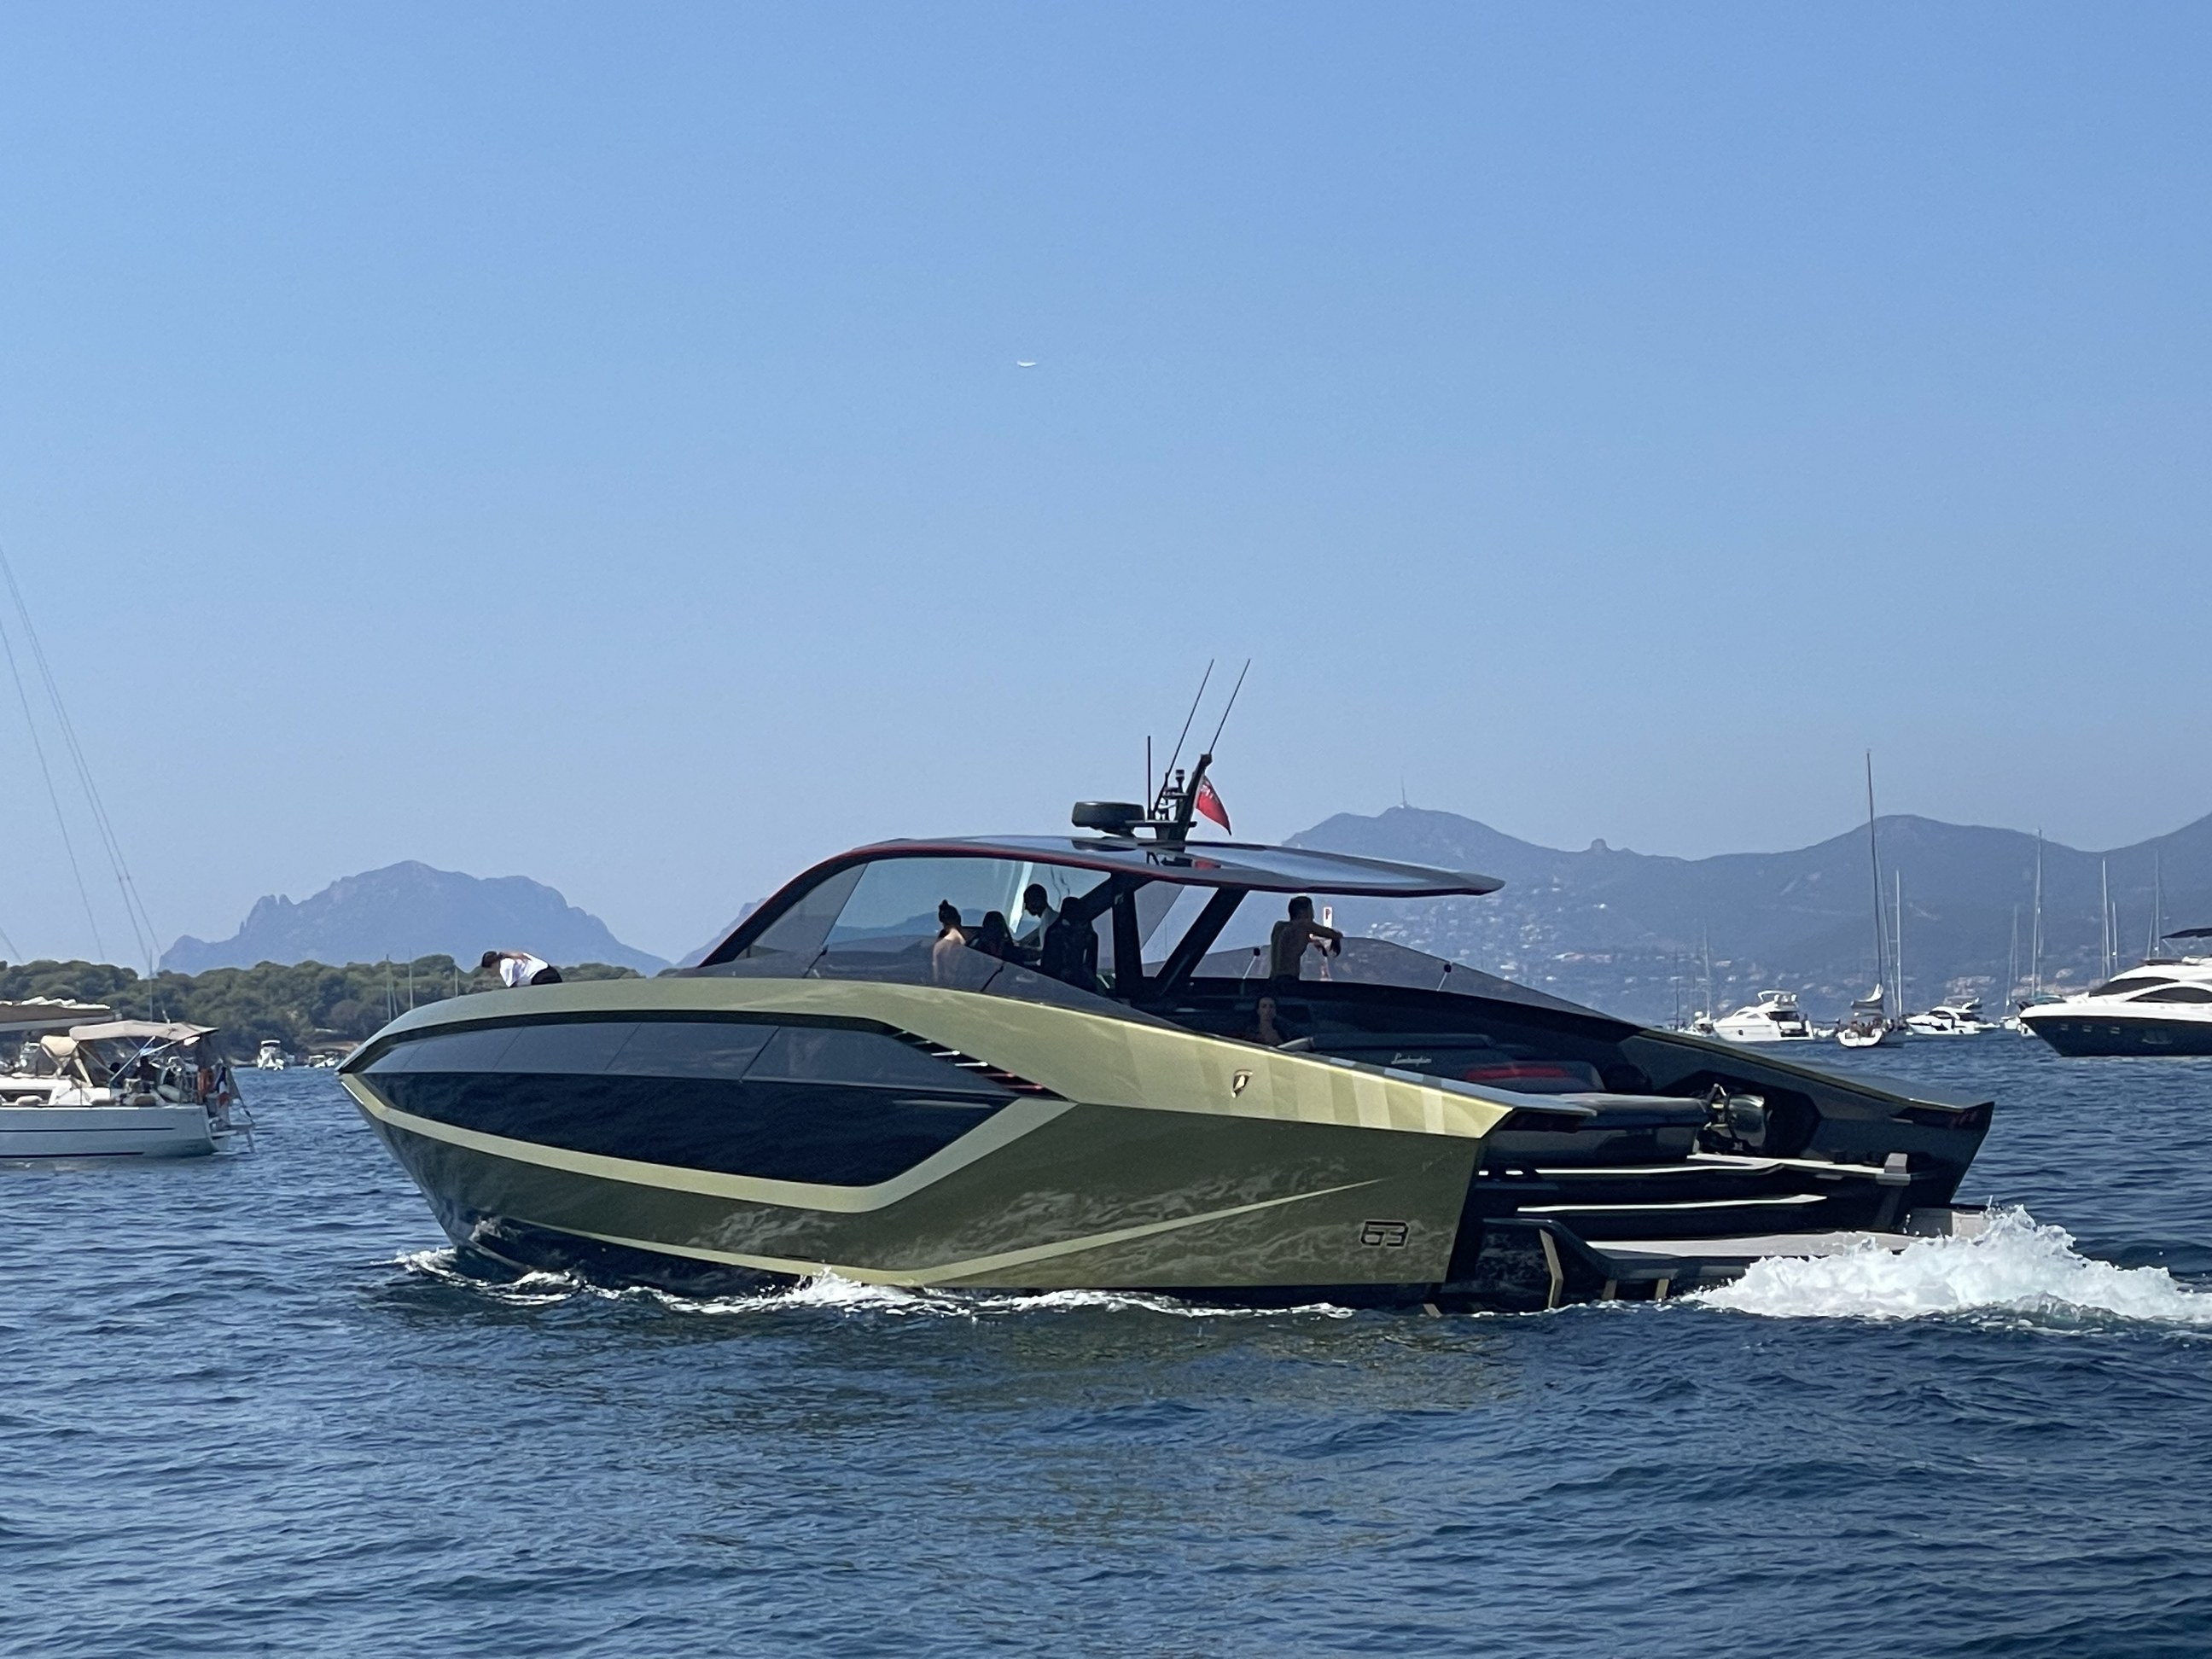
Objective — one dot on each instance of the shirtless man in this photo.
(1287, 945)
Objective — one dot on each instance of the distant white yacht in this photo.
(2164, 1006)
(1775, 1017)
(271, 1056)
(1960, 1017)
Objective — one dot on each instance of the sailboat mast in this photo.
(2035, 930)
(2157, 904)
(2105, 913)
(1873, 861)
(2012, 958)
(1897, 940)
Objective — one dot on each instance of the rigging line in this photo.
(1231, 703)
(134, 907)
(53, 795)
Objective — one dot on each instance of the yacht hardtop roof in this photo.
(1200, 864)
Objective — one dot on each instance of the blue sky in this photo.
(586, 442)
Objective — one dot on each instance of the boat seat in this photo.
(1596, 1128)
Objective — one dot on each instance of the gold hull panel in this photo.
(1162, 1159)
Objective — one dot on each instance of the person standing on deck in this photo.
(518, 968)
(1287, 945)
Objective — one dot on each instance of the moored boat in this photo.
(1959, 1017)
(876, 1076)
(124, 1088)
(1775, 1017)
(1868, 1024)
(2162, 1007)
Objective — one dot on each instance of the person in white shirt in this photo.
(517, 967)
(1037, 914)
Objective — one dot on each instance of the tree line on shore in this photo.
(308, 1006)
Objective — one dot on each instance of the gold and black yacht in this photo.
(1036, 1063)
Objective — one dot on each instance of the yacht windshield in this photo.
(890, 907)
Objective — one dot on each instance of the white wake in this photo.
(828, 1292)
(2016, 1265)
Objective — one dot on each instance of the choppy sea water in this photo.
(248, 1406)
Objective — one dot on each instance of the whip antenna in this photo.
(1168, 771)
(1233, 691)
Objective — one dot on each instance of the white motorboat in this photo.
(1775, 1017)
(2162, 1007)
(271, 1057)
(1960, 1017)
(122, 1088)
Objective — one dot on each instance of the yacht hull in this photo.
(606, 1129)
(29, 1132)
(2087, 1033)
(1083, 1197)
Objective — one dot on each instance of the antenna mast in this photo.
(1176, 803)
(1169, 779)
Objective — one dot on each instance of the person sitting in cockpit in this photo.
(1070, 951)
(995, 938)
(951, 939)
(1037, 915)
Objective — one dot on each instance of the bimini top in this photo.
(140, 1031)
(36, 1014)
(1197, 864)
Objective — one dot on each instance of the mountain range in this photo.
(406, 911)
(1630, 932)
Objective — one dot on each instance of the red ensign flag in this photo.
(1210, 804)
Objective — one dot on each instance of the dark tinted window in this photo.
(802, 1054)
(2120, 987)
(572, 1049)
(614, 1047)
(450, 1051)
(2178, 993)
(690, 1049)
(781, 1131)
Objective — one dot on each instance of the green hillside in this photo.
(305, 1005)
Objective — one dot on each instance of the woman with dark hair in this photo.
(951, 939)
(995, 938)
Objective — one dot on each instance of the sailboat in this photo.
(1870, 1023)
(2037, 997)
